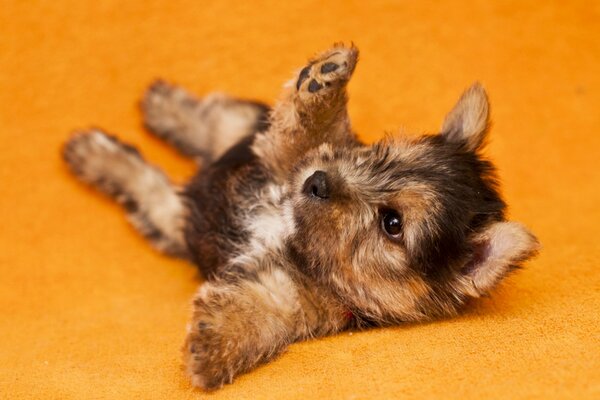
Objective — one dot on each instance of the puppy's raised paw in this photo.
(328, 71)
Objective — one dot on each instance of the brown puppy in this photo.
(302, 231)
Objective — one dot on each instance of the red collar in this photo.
(348, 315)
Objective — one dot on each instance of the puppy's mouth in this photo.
(317, 186)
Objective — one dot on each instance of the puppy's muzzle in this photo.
(316, 186)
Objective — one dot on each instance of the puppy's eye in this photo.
(391, 222)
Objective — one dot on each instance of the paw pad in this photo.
(303, 76)
(328, 67)
(314, 86)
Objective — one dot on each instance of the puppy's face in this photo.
(407, 229)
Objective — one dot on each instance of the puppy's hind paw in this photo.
(101, 160)
(165, 109)
(328, 71)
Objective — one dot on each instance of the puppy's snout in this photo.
(316, 185)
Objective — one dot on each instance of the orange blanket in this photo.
(88, 310)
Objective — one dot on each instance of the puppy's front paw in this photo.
(209, 350)
(328, 71)
(201, 357)
(237, 325)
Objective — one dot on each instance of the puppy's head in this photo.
(407, 229)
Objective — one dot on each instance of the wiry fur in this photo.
(289, 225)
(152, 203)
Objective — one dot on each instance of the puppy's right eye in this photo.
(391, 222)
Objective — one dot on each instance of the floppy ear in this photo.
(497, 251)
(467, 123)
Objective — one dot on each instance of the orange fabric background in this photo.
(88, 310)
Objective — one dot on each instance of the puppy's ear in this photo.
(496, 251)
(468, 122)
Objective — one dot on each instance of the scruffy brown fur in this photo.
(302, 231)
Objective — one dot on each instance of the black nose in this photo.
(316, 185)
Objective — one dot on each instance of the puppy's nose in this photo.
(316, 185)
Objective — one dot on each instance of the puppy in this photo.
(301, 230)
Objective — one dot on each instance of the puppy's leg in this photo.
(118, 170)
(312, 110)
(248, 318)
(204, 127)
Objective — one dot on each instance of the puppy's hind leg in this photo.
(200, 127)
(118, 170)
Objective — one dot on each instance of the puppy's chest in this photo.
(270, 220)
